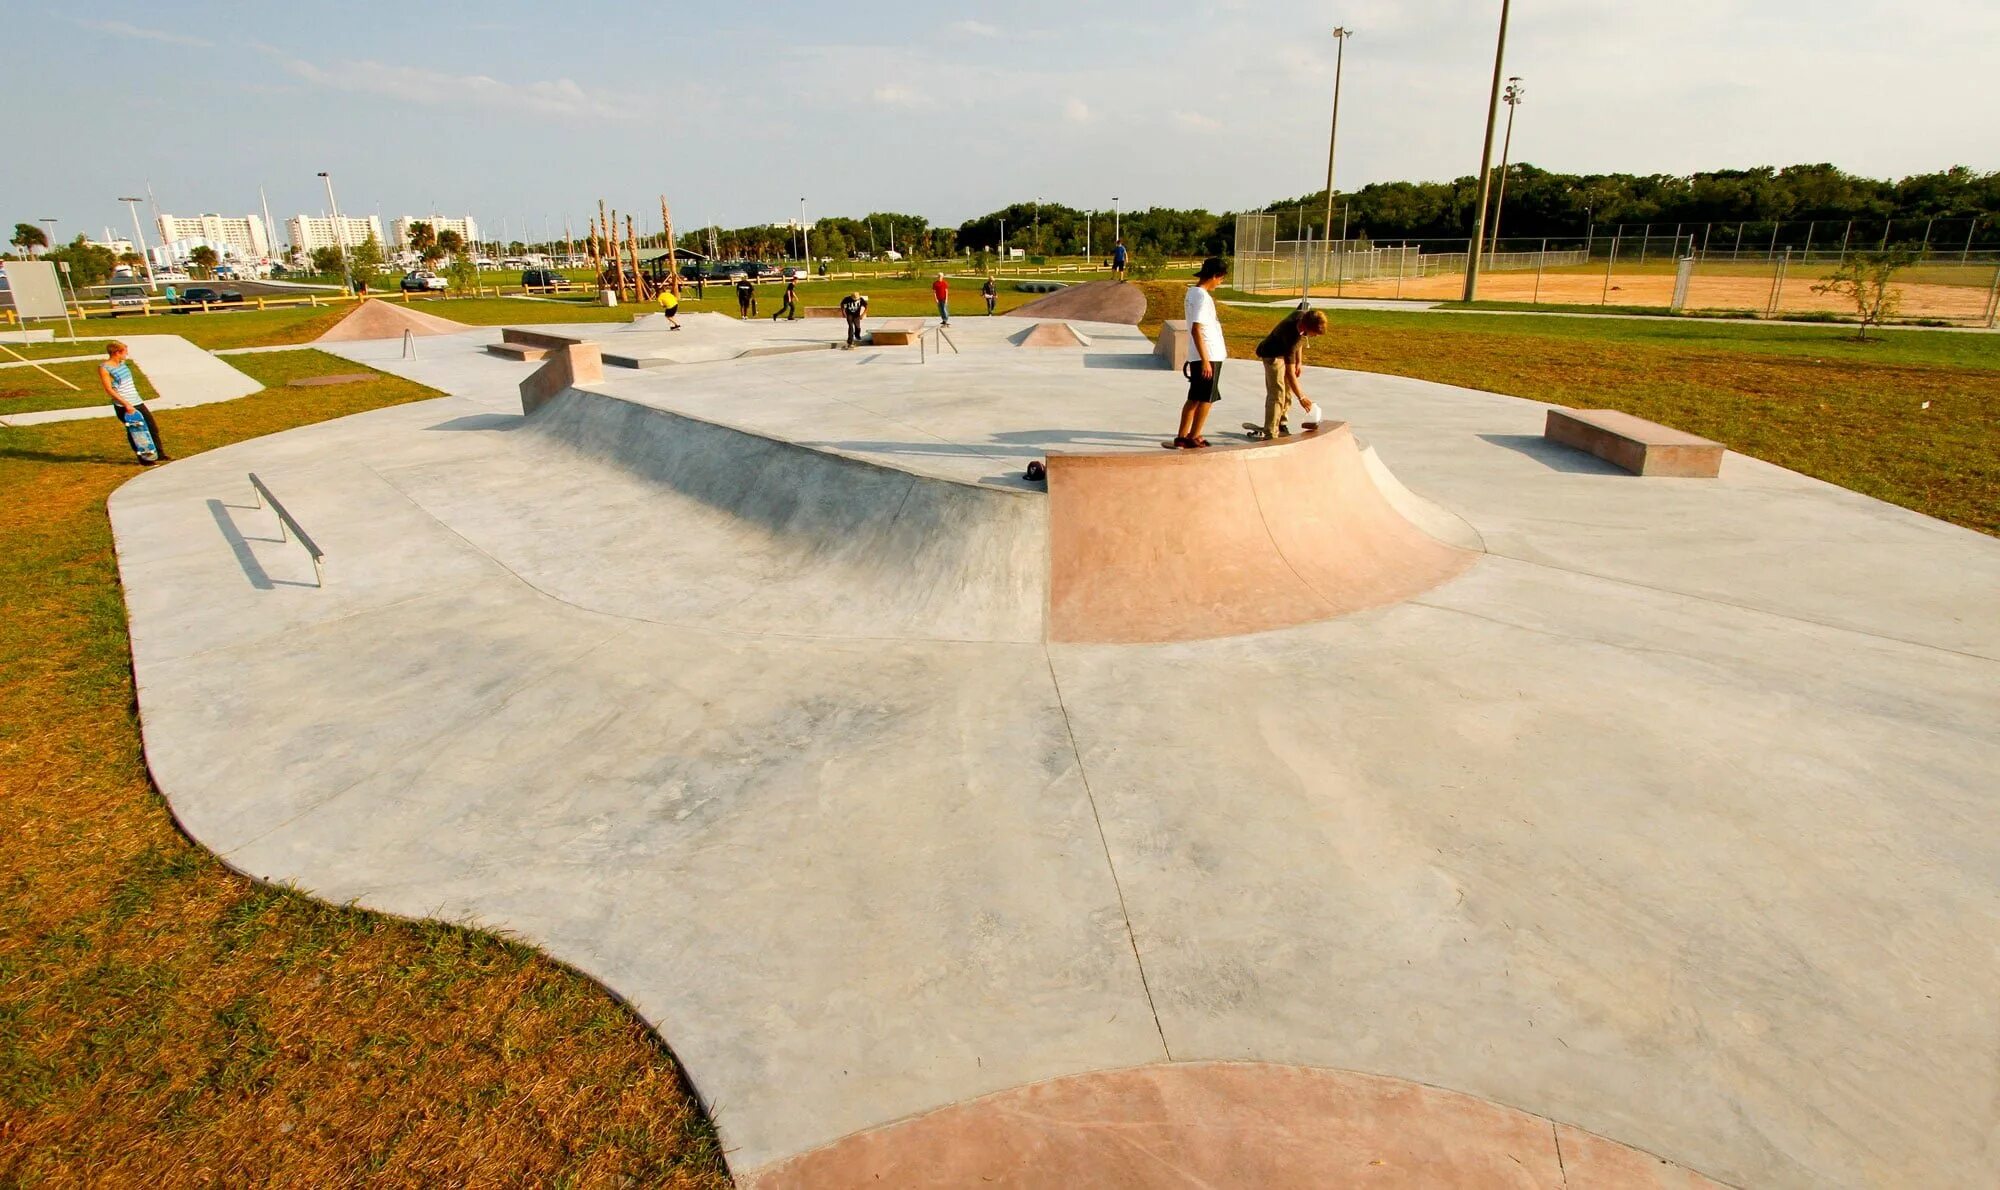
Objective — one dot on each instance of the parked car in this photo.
(794, 272)
(128, 299)
(204, 296)
(544, 281)
(756, 268)
(424, 283)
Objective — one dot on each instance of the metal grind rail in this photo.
(286, 520)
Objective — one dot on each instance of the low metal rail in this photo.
(286, 520)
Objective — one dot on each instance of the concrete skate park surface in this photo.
(1668, 819)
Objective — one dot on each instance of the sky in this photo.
(736, 112)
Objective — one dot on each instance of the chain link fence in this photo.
(1709, 269)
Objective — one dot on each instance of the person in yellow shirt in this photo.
(670, 304)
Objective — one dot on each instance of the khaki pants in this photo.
(1277, 395)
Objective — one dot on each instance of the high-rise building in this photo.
(243, 235)
(309, 232)
(465, 227)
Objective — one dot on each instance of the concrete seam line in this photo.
(1090, 795)
(1745, 607)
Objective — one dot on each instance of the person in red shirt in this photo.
(941, 290)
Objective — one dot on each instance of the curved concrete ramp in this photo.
(1093, 301)
(1048, 334)
(1187, 545)
(1225, 1124)
(664, 517)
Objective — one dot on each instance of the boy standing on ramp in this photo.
(1205, 370)
(1283, 355)
(1118, 260)
(854, 307)
(941, 290)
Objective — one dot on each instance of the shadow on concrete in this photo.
(481, 421)
(1126, 361)
(240, 545)
(1554, 456)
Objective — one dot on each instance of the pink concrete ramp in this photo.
(1049, 334)
(1226, 1124)
(1093, 301)
(376, 319)
(1192, 544)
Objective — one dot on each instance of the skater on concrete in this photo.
(791, 307)
(1283, 355)
(670, 305)
(991, 293)
(746, 297)
(1205, 370)
(115, 374)
(941, 290)
(854, 307)
(1118, 259)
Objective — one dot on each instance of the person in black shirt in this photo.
(855, 307)
(791, 305)
(1283, 355)
(746, 297)
(991, 294)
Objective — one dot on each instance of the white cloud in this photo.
(121, 29)
(1076, 111)
(414, 84)
(975, 28)
(1196, 120)
(897, 95)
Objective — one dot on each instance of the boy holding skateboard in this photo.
(1283, 355)
(115, 374)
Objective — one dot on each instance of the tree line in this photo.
(1537, 203)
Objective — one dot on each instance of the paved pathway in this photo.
(1671, 820)
(180, 373)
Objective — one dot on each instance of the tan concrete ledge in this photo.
(1225, 1124)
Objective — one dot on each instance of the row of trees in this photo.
(1541, 203)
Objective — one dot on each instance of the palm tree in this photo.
(27, 236)
(203, 258)
(423, 237)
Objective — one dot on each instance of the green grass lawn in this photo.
(164, 1021)
(27, 390)
(220, 328)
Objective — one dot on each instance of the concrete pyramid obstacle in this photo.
(376, 319)
(1050, 334)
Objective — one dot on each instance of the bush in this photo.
(1148, 262)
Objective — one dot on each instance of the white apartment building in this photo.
(244, 235)
(309, 232)
(465, 227)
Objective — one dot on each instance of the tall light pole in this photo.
(1340, 37)
(1116, 235)
(52, 233)
(132, 204)
(1038, 225)
(1513, 98)
(1486, 161)
(339, 231)
(805, 235)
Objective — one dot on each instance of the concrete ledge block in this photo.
(1635, 444)
(1172, 347)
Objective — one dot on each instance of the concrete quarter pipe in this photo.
(1230, 539)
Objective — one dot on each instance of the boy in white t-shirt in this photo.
(1205, 369)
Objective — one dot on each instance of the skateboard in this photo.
(140, 437)
(1255, 432)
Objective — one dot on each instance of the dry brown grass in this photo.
(165, 1022)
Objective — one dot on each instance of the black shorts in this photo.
(1205, 389)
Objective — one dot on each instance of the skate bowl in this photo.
(678, 518)
(1127, 547)
(1232, 539)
